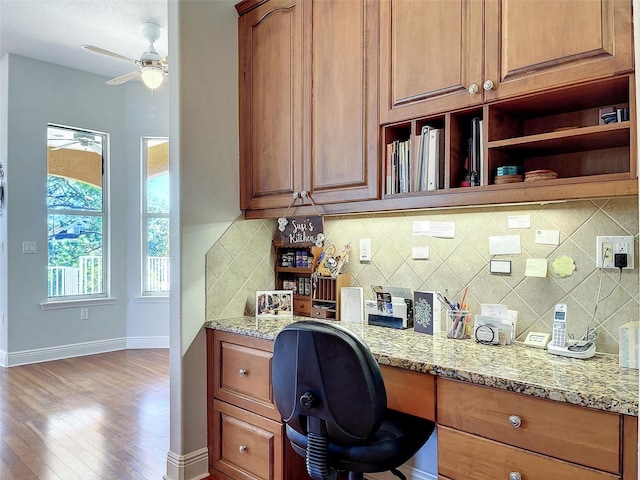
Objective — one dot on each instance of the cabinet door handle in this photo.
(242, 448)
(473, 88)
(242, 372)
(515, 421)
(515, 476)
(488, 85)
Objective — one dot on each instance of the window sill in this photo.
(152, 299)
(85, 302)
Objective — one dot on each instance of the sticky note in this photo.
(564, 266)
(536, 267)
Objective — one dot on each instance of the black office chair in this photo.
(330, 392)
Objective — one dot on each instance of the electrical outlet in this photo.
(365, 249)
(84, 314)
(608, 246)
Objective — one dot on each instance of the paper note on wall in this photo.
(536, 267)
(504, 245)
(434, 229)
(519, 221)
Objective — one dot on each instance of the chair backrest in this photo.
(323, 371)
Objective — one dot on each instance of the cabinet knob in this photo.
(243, 448)
(304, 194)
(473, 88)
(515, 421)
(515, 476)
(488, 85)
(242, 372)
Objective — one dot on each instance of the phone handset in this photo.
(559, 335)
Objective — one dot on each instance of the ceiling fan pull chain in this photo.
(153, 103)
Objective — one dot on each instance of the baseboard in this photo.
(47, 354)
(147, 342)
(192, 466)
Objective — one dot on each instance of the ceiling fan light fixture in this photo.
(152, 76)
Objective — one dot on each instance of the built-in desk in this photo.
(541, 414)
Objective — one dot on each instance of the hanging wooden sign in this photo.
(302, 230)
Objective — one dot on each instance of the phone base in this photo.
(574, 349)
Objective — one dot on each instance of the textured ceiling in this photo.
(54, 30)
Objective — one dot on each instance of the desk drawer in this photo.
(250, 446)
(576, 434)
(242, 373)
(462, 456)
(410, 392)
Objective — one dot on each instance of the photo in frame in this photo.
(274, 303)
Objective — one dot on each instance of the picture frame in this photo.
(274, 303)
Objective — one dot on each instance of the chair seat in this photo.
(399, 438)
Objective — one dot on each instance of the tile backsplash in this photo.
(242, 262)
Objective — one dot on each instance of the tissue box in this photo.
(629, 344)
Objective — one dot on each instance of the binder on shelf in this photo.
(424, 153)
(434, 164)
(474, 152)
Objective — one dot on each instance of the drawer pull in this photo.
(243, 448)
(473, 88)
(242, 372)
(515, 421)
(515, 476)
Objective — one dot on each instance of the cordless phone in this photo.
(559, 345)
(559, 336)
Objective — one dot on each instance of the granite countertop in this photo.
(597, 382)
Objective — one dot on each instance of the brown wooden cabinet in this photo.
(484, 433)
(270, 49)
(246, 438)
(445, 55)
(559, 130)
(508, 435)
(308, 102)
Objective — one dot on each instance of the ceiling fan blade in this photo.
(123, 78)
(107, 52)
(65, 145)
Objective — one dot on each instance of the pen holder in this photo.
(458, 324)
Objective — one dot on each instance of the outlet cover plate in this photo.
(618, 244)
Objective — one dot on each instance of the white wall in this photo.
(38, 93)
(204, 167)
(147, 317)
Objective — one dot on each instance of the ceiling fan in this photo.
(153, 67)
(79, 142)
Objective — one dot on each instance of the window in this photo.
(77, 213)
(155, 216)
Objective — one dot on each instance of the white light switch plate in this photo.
(28, 247)
(420, 253)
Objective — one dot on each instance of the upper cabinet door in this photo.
(343, 105)
(270, 84)
(532, 45)
(431, 55)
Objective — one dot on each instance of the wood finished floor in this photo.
(102, 416)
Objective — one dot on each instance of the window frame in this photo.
(145, 215)
(104, 213)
